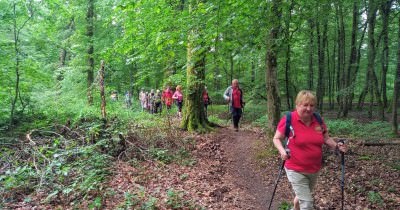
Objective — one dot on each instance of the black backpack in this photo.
(289, 122)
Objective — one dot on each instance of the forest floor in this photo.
(234, 171)
(237, 170)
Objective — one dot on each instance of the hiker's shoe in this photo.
(237, 129)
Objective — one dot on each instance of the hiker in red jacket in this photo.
(234, 95)
(167, 97)
(206, 99)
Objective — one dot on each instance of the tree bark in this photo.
(288, 54)
(16, 33)
(396, 86)
(349, 82)
(341, 54)
(102, 92)
(90, 51)
(311, 55)
(273, 103)
(322, 41)
(194, 116)
(385, 8)
(374, 87)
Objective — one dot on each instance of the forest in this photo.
(75, 135)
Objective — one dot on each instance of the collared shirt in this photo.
(306, 144)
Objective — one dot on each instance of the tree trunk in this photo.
(396, 86)
(322, 41)
(349, 83)
(341, 55)
(385, 8)
(102, 92)
(311, 55)
(16, 32)
(373, 80)
(273, 108)
(194, 116)
(90, 51)
(288, 54)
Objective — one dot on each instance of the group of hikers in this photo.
(154, 101)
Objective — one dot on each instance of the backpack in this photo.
(289, 122)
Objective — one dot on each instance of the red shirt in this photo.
(205, 97)
(306, 145)
(167, 97)
(236, 95)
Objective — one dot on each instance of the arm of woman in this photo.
(278, 138)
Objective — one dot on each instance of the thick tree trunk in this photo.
(90, 51)
(194, 116)
(273, 103)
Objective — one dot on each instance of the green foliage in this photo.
(177, 200)
(352, 128)
(375, 197)
(161, 155)
(285, 205)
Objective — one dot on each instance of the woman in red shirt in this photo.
(305, 145)
(167, 97)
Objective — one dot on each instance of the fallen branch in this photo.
(366, 143)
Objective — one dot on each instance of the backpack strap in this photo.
(288, 124)
(319, 119)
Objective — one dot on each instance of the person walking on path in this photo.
(167, 97)
(304, 146)
(157, 102)
(151, 101)
(142, 99)
(128, 99)
(178, 97)
(234, 95)
(206, 99)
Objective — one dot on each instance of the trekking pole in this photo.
(342, 180)
(277, 179)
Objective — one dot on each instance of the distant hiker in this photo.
(206, 99)
(178, 96)
(114, 96)
(157, 102)
(146, 103)
(234, 95)
(128, 99)
(167, 97)
(142, 99)
(306, 136)
(151, 101)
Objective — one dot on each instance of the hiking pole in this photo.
(342, 165)
(277, 179)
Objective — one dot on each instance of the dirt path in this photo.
(243, 171)
(241, 168)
